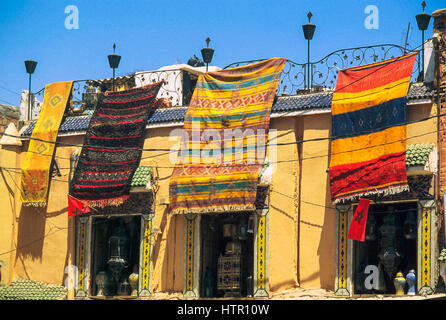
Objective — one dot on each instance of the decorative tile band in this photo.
(190, 254)
(145, 272)
(261, 248)
(342, 250)
(82, 258)
(426, 248)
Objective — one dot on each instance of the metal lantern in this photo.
(390, 255)
(118, 246)
(113, 60)
(423, 20)
(410, 225)
(30, 66)
(308, 29)
(207, 53)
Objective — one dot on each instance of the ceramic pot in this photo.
(411, 282)
(133, 280)
(399, 283)
(101, 279)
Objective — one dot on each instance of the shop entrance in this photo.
(227, 254)
(390, 247)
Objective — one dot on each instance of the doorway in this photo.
(227, 255)
(390, 247)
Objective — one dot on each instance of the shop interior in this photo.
(227, 254)
(390, 247)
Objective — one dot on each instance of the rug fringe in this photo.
(34, 204)
(106, 202)
(219, 209)
(386, 192)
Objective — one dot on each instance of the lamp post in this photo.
(308, 34)
(113, 60)
(423, 20)
(207, 53)
(30, 66)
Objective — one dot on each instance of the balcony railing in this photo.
(179, 84)
(324, 72)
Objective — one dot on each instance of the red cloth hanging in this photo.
(76, 207)
(359, 221)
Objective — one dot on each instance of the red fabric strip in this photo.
(114, 123)
(108, 150)
(367, 175)
(107, 186)
(132, 108)
(126, 101)
(121, 116)
(115, 138)
(107, 163)
(89, 193)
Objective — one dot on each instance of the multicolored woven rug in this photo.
(368, 147)
(35, 175)
(224, 140)
(112, 146)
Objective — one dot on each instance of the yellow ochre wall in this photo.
(39, 245)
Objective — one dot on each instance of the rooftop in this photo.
(418, 92)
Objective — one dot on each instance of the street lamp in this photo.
(423, 20)
(30, 66)
(113, 60)
(207, 53)
(308, 34)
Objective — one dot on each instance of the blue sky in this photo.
(151, 34)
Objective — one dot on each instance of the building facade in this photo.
(296, 236)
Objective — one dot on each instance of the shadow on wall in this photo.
(157, 246)
(320, 126)
(31, 233)
(326, 249)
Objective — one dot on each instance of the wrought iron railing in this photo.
(177, 87)
(324, 72)
(178, 84)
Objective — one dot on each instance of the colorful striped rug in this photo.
(224, 139)
(35, 174)
(112, 146)
(368, 147)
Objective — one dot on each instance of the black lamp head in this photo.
(309, 28)
(423, 19)
(207, 53)
(113, 59)
(30, 66)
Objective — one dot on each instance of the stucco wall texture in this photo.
(39, 244)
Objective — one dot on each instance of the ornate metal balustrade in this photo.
(324, 72)
(179, 84)
(177, 89)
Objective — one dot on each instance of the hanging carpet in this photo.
(35, 173)
(369, 116)
(224, 140)
(112, 146)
